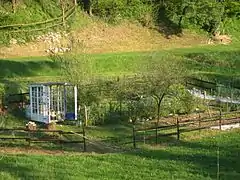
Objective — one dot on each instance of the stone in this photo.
(13, 41)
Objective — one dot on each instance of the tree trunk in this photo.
(75, 2)
(158, 112)
(14, 2)
(87, 5)
(159, 101)
(158, 119)
(182, 15)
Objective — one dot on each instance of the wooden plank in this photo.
(54, 140)
(67, 13)
(15, 129)
(194, 129)
(70, 132)
(69, 142)
(154, 128)
(14, 138)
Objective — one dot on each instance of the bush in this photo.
(114, 11)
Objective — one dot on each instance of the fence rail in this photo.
(57, 21)
(31, 136)
(197, 124)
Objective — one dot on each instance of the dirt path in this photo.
(19, 150)
(92, 148)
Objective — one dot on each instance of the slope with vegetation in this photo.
(166, 17)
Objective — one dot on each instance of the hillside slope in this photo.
(99, 37)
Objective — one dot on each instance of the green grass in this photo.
(185, 160)
(27, 11)
(214, 63)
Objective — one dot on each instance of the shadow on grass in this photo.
(203, 156)
(218, 67)
(11, 68)
(10, 169)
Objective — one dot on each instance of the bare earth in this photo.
(103, 38)
(19, 150)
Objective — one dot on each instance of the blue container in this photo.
(70, 116)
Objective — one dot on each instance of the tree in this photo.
(206, 14)
(161, 74)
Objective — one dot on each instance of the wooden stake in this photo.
(199, 121)
(84, 139)
(134, 135)
(220, 120)
(14, 2)
(86, 115)
(178, 129)
(156, 134)
(75, 2)
(63, 12)
(144, 137)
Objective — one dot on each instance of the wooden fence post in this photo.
(220, 120)
(134, 134)
(63, 11)
(199, 121)
(14, 2)
(156, 134)
(144, 135)
(178, 129)
(29, 138)
(60, 135)
(86, 115)
(84, 138)
(75, 2)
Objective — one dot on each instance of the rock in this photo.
(13, 41)
(22, 41)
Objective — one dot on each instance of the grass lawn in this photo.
(211, 62)
(195, 159)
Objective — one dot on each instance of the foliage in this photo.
(2, 89)
(168, 16)
(206, 14)
(113, 10)
(179, 100)
(28, 11)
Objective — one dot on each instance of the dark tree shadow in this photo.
(18, 172)
(166, 26)
(11, 68)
